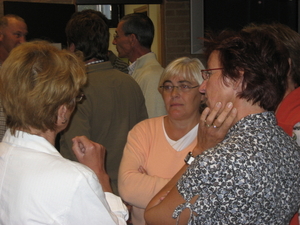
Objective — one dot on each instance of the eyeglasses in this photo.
(182, 87)
(79, 97)
(207, 73)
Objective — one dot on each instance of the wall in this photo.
(177, 31)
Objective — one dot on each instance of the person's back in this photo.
(113, 104)
(113, 101)
(38, 185)
(13, 30)
(36, 181)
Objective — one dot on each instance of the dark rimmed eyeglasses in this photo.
(182, 87)
(207, 73)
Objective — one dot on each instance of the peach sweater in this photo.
(147, 146)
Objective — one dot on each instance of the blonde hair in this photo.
(35, 80)
(185, 67)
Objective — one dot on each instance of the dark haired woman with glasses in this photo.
(253, 175)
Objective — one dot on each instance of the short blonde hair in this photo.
(188, 68)
(35, 80)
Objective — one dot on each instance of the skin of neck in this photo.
(245, 108)
(176, 129)
(48, 135)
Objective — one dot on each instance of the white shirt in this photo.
(39, 186)
(183, 142)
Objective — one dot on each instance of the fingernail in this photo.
(218, 104)
(229, 105)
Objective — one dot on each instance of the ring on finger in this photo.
(208, 125)
(214, 126)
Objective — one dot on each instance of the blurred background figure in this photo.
(288, 111)
(39, 88)
(116, 62)
(156, 147)
(113, 102)
(13, 31)
(133, 39)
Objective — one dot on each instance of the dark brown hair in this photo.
(260, 57)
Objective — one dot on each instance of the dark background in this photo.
(220, 14)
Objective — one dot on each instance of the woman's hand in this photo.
(213, 126)
(92, 155)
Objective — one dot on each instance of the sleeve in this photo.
(134, 187)
(78, 125)
(209, 180)
(90, 205)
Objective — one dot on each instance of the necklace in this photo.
(94, 62)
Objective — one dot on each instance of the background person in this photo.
(13, 31)
(133, 40)
(38, 89)
(156, 147)
(116, 62)
(252, 176)
(288, 111)
(114, 102)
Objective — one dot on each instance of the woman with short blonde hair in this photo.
(39, 88)
(43, 79)
(156, 147)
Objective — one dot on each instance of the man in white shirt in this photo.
(133, 40)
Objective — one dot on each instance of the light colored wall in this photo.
(154, 14)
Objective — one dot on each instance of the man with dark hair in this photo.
(113, 101)
(133, 40)
(13, 31)
(116, 62)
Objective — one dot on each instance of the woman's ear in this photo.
(61, 115)
(237, 84)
